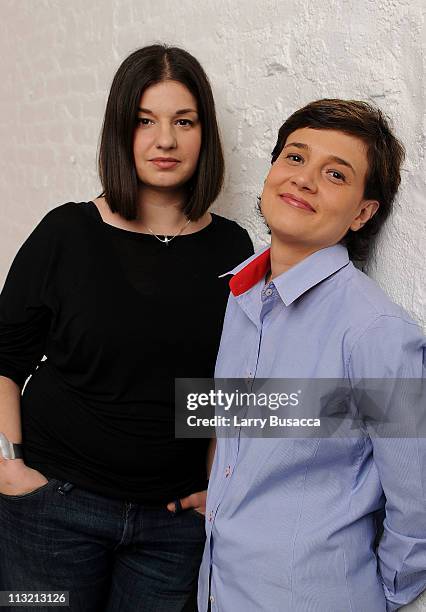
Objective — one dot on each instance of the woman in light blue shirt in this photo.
(292, 522)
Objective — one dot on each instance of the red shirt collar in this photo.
(251, 274)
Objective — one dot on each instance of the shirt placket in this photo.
(269, 296)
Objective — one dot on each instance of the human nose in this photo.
(166, 138)
(305, 178)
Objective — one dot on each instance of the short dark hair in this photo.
(143, 68)
(385, 154)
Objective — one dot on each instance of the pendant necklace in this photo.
(166, 240)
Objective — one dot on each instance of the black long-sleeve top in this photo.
(119, 316)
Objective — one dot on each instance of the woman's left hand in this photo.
(197, 501)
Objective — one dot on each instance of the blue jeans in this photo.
(111, 555)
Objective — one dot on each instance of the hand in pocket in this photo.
(18, 479)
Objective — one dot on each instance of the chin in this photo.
(167, 182)
(286, 228)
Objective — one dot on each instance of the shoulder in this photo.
(56, 223)
(384, 335)
(66, 213)
(53, 235)
(227, 225)
(231, 243)
(231, 229)
(388, 347)
(373, 304)
(63, 221)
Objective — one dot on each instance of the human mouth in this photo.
(292, 200)
(165, 163)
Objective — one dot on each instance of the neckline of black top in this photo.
(142, 236)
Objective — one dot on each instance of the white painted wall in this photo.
(265, 59)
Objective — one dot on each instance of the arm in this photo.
(10, 418)
(395, 349)
(15, 477)
(401, 553)
(24, 324)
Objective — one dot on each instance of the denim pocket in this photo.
(30, 493)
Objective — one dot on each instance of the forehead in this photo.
(332, 143)
(167, 96)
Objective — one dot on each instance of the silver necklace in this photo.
(166, 239)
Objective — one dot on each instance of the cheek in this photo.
(143, 139)
(275, 183)
(340, 216)
(138, 143)
(194, 147)
(274, 177)
(267, 199)
(268, 185)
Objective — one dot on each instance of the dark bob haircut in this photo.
(385, 155)
(143, 68)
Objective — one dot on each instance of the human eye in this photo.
(185, 122)
(144, 121)
(336, 176)
(294, 158)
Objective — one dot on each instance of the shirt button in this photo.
(269, 292)
(210, 516)
(211, 599)
(228, 471)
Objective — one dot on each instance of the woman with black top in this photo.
(122, 296)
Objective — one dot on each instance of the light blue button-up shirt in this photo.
(291, 523)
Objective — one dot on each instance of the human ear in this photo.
(367, 211)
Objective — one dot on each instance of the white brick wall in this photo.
(265, 59)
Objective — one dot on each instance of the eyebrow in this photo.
(338, 160)
(182, 111)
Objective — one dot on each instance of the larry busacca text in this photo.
(226, 401)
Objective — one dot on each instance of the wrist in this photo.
(9, 449)
(12, 471)
(12, 466)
